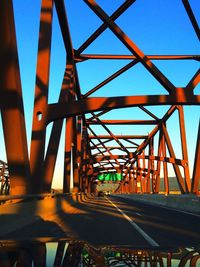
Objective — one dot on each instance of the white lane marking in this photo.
(145, 235)
(164, 207)
(138, 214)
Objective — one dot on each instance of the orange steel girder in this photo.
(140, 164)
(11, 104)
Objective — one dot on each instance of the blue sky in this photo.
(156, 26)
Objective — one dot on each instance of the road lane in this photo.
(168, 227)
(97, 221)
(93, 220)
(145, 235)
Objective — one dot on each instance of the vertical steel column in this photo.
(157, 186)
(153, 182)
(79, 125)
(176, 167)
(165, 170)
(148, 188)
(84, 157)
(11, 103)
(41, 95)
(132, 182)
(139, 176)
(68, 155)
(144, 182)
(123, 187)
(184, 148)
(54, 140)
(134, 173)
(196, 171)
(129, 182)
(74, 154)
(126, 183)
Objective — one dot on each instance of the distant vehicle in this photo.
(107, 193)
(100, 194)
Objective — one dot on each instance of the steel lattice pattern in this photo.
(137, 144)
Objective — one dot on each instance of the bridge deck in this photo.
(99, 221)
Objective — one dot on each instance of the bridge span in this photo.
(103, 134)
(119, 100)
(114, 220)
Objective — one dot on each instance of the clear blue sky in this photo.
(156, 26)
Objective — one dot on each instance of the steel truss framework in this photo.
(89, 152)
(4, 178)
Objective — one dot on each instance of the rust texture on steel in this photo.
(141, 158)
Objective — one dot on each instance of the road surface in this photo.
(110, 220)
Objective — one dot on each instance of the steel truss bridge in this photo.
(141, 158)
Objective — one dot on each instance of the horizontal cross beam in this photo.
(57, 111)
(118, 136)
(122, 122)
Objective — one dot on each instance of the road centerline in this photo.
(142, 232)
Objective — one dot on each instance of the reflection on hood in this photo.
(62, 253)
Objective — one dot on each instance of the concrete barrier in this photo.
(189, 203)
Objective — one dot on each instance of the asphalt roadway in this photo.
(113, 221)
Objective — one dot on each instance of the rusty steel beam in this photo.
(179, 177)
(67, 155)
(58, 111)
(140, 169)
(79, 152)
(62, 17)
(76, 187)
(114, 137)
(118, 136)
(146, 62)
(171, 160)
(11, 104)
(184, 147)
(104, 26)
(99, 144)
(114, 147)
(131, 142)
(194, 81)
(160, 153)
(72, 106)
(149, 113)
(192, 17)
(66, 95)
(112, 77)
(144, 144)
(122, 122)
(165, 169)
(107, 150)
(105, 157)
(83, 57)
(54, 140)
(176, 161)
(41, 95)
(99, 114)
(100, 152)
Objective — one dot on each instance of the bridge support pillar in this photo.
(75, 157)
(11, 104)
(41, 95)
